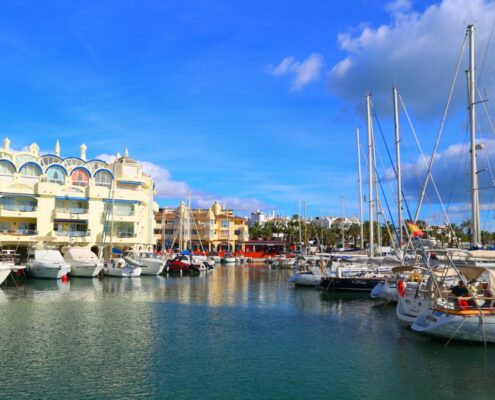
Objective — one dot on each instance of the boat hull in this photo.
(86, 270)
(472, 328)
(39, 270)
(359, 284)
(385, 291)
(125, 272)
(152, 267)
(4, 273)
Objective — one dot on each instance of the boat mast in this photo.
(378, 209)
(370, 173)
(360, 189)
(342, 221)
(397, 158)
(300, 233)
(475, 213)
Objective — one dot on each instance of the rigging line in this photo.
(424, 160)
(486, 50)
(389, 155)
(458, 164)
(396, 229)
(383, 192)
(428, 172)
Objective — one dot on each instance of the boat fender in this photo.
(401, 287)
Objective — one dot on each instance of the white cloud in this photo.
(166, 187)
(303, 72)
(451, 171)
(416, 50)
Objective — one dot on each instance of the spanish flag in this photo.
(415, 231)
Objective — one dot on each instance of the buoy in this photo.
(65, 278)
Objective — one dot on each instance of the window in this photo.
(224, 234)
(14, 203)
(80, 177)
(71, 162)
(123, 210)
(4, 227)
(56, 174)
(48, 160)
(6, 168)
(103, 178)
(224, 223)
(31, 170)
(96, 164)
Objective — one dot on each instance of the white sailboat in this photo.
(149, 263)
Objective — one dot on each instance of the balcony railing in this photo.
(19, 232)
(19, 208)
(72, 210)
(126, 235)
(73, 233)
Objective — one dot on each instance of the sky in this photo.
(252, 103)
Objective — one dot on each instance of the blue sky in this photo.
(250, 102)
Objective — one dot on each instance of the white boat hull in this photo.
(41, 270)
(86, 270)
(385, 291)
(125, 272)
(410, 306)
(305, 279)
(450, 326)
(4, 273)
(152, 267)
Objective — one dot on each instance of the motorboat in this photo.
(7, 264)
(46, 263)
(312, 277)
(151, 264)
(386, 290)
(119, 268)
(83, 262)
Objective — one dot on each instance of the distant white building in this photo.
(257, 217)
(329, 221)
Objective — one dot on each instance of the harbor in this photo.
(224, 200)
(237, 332)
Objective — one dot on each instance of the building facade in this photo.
(211, 229)
(73, 200)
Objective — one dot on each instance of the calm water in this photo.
(240, 332)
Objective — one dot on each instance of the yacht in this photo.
(7, 264)
(312, 277)
(150, 263)
(83, 262)
(119, 268)
(46, 263)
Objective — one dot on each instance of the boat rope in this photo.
(428, 173)
(449, 224)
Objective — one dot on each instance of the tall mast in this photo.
(360, 189)
(378, 209)
(305, 231)
(300, 233)
(397, 158)
(370, 172)
(475, 213)
(342, 221)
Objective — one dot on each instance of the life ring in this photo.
(401, 287)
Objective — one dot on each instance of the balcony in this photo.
(71, 213)
(17, 211)
(19, 232)
(73, 233)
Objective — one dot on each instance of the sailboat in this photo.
(446, 318)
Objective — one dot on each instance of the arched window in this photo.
(50, 159)
(6, 167)
(30, 170)
(80, 177)
(56, 174)
(103, 178)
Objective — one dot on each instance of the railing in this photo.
(23, 232)
(18, 208)
(72, 210)
(126, 234)
(73, 233)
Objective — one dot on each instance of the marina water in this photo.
(238, 332)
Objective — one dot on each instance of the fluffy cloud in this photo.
(416, 50)
(166, 187)
(451, 171)
(303, 72)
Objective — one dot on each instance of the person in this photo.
(459, 291)
(488, 295)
